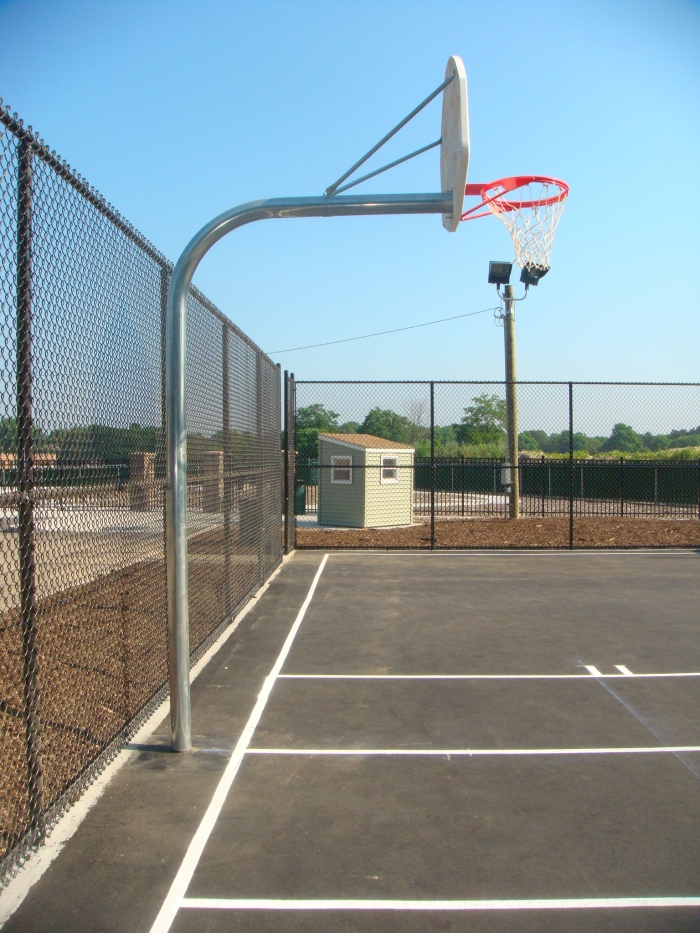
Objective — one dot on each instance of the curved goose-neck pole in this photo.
(176, 428)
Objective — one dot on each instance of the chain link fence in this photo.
(82, 571)
(423, 465)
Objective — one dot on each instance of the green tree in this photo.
(8, 435)
(532, 440)
(311, 420)
(386, 423)
(101, 443)
(318, 417)
(656, 441)
(559, 443)
(623, 438)
(446, 441)
(484, 421)
(683, 438)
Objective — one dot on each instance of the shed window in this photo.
(390, 470)
(341, 470)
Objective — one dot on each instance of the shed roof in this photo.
(365, 441)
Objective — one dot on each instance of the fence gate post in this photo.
(228, 467)
(571, 466)
(289, 464)
(261, 467)
(432, 465)
(25, 489)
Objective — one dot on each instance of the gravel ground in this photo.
(502, 533)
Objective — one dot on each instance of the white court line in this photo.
(476, 752)
(586, 677)
(569, 903)
(593, 670)
(173, 900)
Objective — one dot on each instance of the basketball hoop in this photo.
(531, 213)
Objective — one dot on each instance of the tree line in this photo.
(481, 432)
(99, 444)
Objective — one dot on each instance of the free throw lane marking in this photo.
(593, 670)
(573, 903)
(625, 670)
(173, 900)
(462, 752)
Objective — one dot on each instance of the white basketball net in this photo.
(530, 219)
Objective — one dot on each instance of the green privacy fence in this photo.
(655, 481)
(621, 481)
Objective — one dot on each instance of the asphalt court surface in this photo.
(483, 732)
(366, 673)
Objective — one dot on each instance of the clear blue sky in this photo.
(176, 111)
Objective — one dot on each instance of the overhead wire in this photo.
(382, 333)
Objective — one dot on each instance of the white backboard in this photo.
(454, 150)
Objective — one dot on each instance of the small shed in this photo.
(364, 481)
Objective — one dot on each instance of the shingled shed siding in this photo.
(388, 504)
(339, 504)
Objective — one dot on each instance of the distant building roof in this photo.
(365, 441)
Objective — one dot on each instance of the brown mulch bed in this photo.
(101, 655)
(523, 533)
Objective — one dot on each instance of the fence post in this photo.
(432, 465)
(289, 463)
(164, 284)
(542, 484)
(571, 466)
(656, 484)
(228, 464)
(261, 468)
(622, 487)
(25, 488)
(285, 461)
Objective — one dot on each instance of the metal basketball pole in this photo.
(176, 427)
(511, 404)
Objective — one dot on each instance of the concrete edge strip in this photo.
(480, 752)
(577, 903)
(27, 876)
(178, 888)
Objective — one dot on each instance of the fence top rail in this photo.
(480, 382)
(27, 134)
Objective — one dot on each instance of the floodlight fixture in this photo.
(499, 273)
(531, 275)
